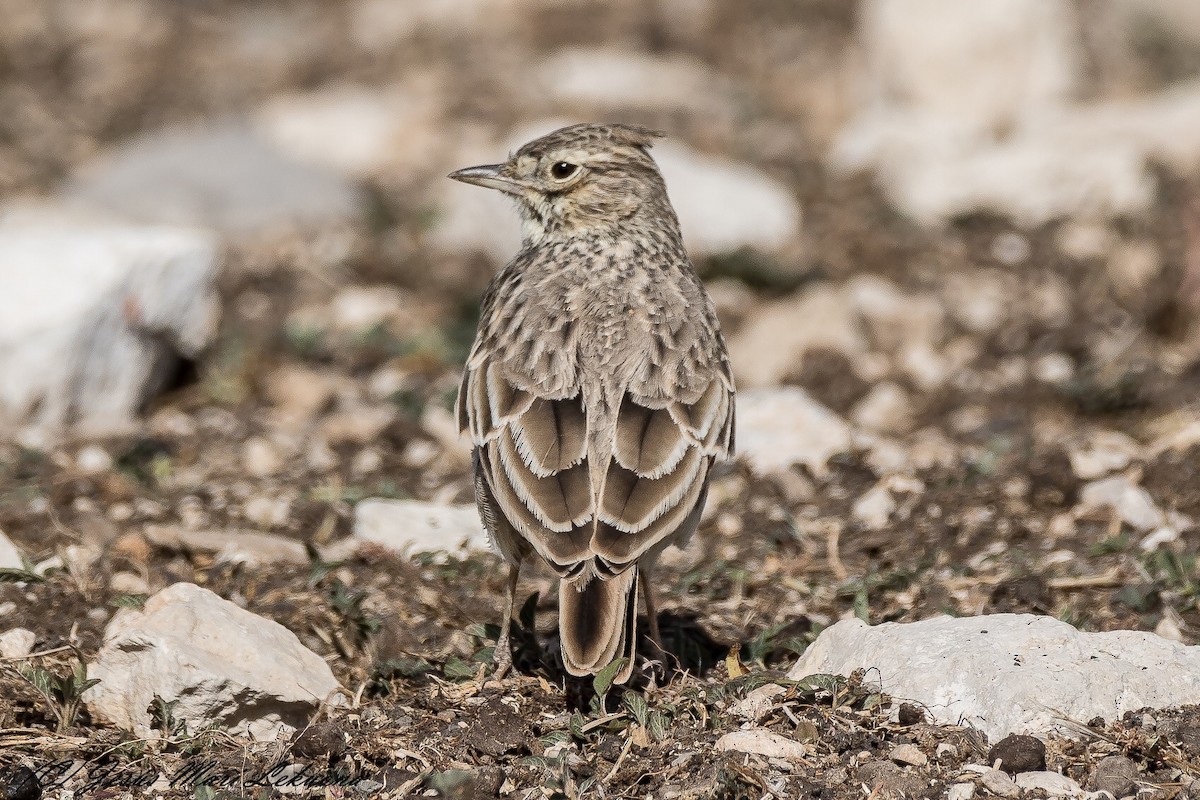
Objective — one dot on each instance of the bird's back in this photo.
(616, 348)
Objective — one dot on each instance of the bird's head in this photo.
(580, 179)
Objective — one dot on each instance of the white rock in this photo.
(874, 508)
(725, 205)
(1054, 368)
(763, 742)
(1029, 179)
(355, 130)
(359, 308)
(383, 25)
(1010, 673)
(984, 64)
(1132, 266)
(908, 754)
(896, 318)
(1130, 502)
(93, 460)
(999, 783)
(267, 511)
(612, 78)
(17, 643)
(961, 791)
(758, 703)
(10, 557)
(886, 409)
(1102, 452)
(220, 175)
(261, 458)
(241, 547)
(89, 315)
(1052, 783)
(410, 526)
(221, 664)
(781, 427)
(773, 342)
(979, 300)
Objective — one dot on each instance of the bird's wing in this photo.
(673, 421)
(532, 454)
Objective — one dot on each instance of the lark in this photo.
(598, 392)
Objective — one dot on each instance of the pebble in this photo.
(908, 754)
(873, 509)
(886, 409)
(17, 643)
(1131, 502)
(261, 458)
(1116, 775)
(758, 703)
(961, 791)
(1019, 753)
(763, 742)
(10, 557)
(266, 511)
(1000, 784)
(93, 460)
(1052, 783)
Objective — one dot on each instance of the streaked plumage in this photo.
(598, 391)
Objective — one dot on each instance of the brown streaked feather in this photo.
(552, 435)
(617, 547)
(597, 620)
(648, 441)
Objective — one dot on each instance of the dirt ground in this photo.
(779, 557)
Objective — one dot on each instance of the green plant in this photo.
(63, 693)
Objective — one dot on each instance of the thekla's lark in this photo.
(598, 392)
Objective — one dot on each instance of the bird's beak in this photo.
(488, 176)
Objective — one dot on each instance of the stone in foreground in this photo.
(409, 526)
(1011, 673)
(220, 664)
(93, 318)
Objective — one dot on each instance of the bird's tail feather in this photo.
(597, 619)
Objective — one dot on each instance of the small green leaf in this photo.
(637, 707)
(576, 726)
(658, 725)
(457, 669)
(12, 575)
(820, 682)
(603, 680)
(862, 608)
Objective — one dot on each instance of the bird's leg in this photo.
(651, 612)
(502, 656)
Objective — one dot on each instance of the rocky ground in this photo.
(963, 419)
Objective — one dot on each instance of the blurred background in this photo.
(955, 248)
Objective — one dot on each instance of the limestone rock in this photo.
(773, 343)
(93, 316)
(10, 557)
(763, 742)
(220, 176)
(1010, 673)
(781, 427)
(411, 526)
(220, 663)
(17, 643)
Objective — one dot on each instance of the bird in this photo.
(598, 392)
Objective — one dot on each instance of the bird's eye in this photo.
(562, 170)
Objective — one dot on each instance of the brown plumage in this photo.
(598, 391)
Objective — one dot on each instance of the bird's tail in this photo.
(597, 620)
